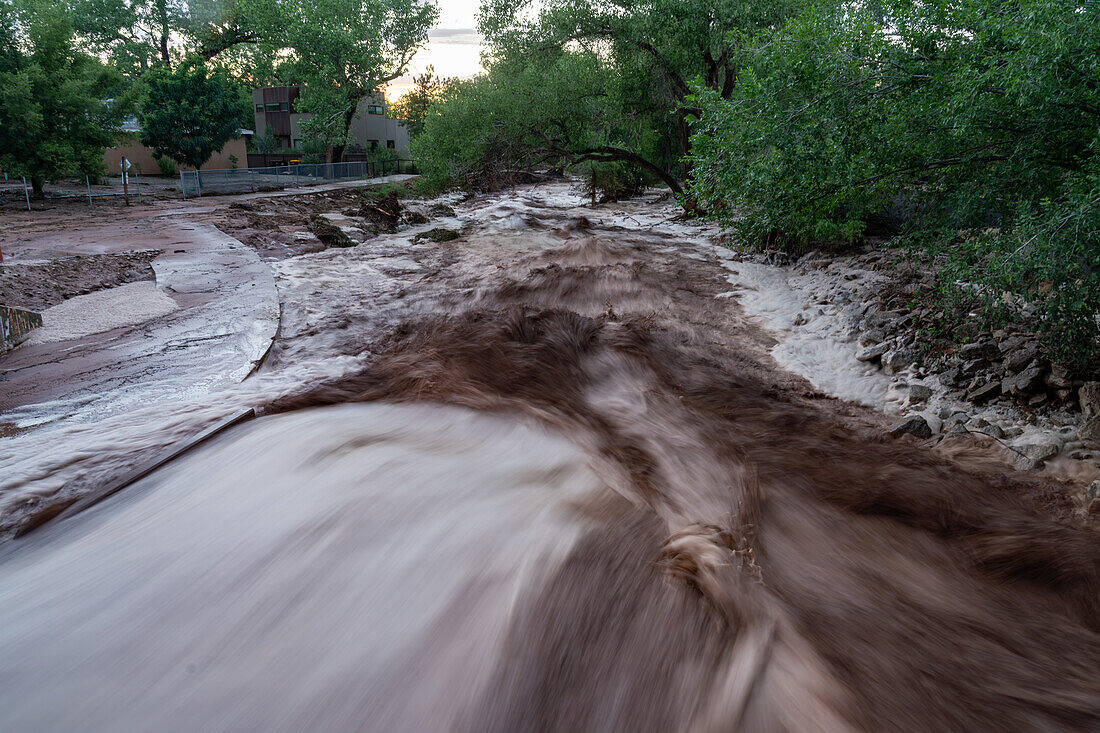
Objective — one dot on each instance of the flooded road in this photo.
(546, 476)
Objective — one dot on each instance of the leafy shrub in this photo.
(614, 181)
(313, 151)
(167, 166)
(969, 126)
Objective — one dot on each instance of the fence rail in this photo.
(236, 180)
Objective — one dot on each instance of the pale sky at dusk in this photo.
(454, 46)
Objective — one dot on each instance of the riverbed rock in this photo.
(979, 350)
(950, 377)
(872, 352)
(1026, 382)
(919, 393)
(984, 393)
(1089, 432)
(913, 425)
(872, 337)
(1089, 397)
(895, 361)
(1058, 378)
(1037, 454)
(1017, 360)
(1092, 493)
(993, 431)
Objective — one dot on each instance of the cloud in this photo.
(455, 36)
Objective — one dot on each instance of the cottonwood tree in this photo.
(59, 108)
(137, 35)
(653, 50)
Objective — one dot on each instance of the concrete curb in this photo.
(113, 487)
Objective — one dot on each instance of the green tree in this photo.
(650, 50)
(190, 113)
(413, 107)
(968, 126)
(59, 107)
(138, 35)
(562, 108)
(345, 51)
(267, 143)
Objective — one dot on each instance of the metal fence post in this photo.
(183, 185)
(88, 185)
(26, 193)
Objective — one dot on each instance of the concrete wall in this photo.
(14, 325)
(141, 158)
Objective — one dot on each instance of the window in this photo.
(373, 144)
(391, 144)
(375, 109)
(273, 107)
(283, 107)
(259, 108)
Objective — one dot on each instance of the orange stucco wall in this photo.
(141, 157)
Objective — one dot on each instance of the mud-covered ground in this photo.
(754, 554)
(37, 285)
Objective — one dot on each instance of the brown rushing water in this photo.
(606, 510)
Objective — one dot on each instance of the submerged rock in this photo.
(872, 352)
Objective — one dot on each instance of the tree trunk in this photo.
(38, 187)
(684, 131)
(338, 150)
(628, 156)
(165, 31)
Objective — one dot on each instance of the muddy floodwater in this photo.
(546, 476)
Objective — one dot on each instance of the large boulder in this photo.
(1089, 397)
(1026, 382)
(914, 425)
(984, 393)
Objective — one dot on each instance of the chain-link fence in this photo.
(19, 190)
(238, 180)
(139, 188)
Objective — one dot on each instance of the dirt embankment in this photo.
(38, 285)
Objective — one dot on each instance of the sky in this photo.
(454, 46)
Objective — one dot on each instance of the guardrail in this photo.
(237, 180)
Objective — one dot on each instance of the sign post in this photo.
(125, 166)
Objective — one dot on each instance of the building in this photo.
(371, 128)
(143, 161)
